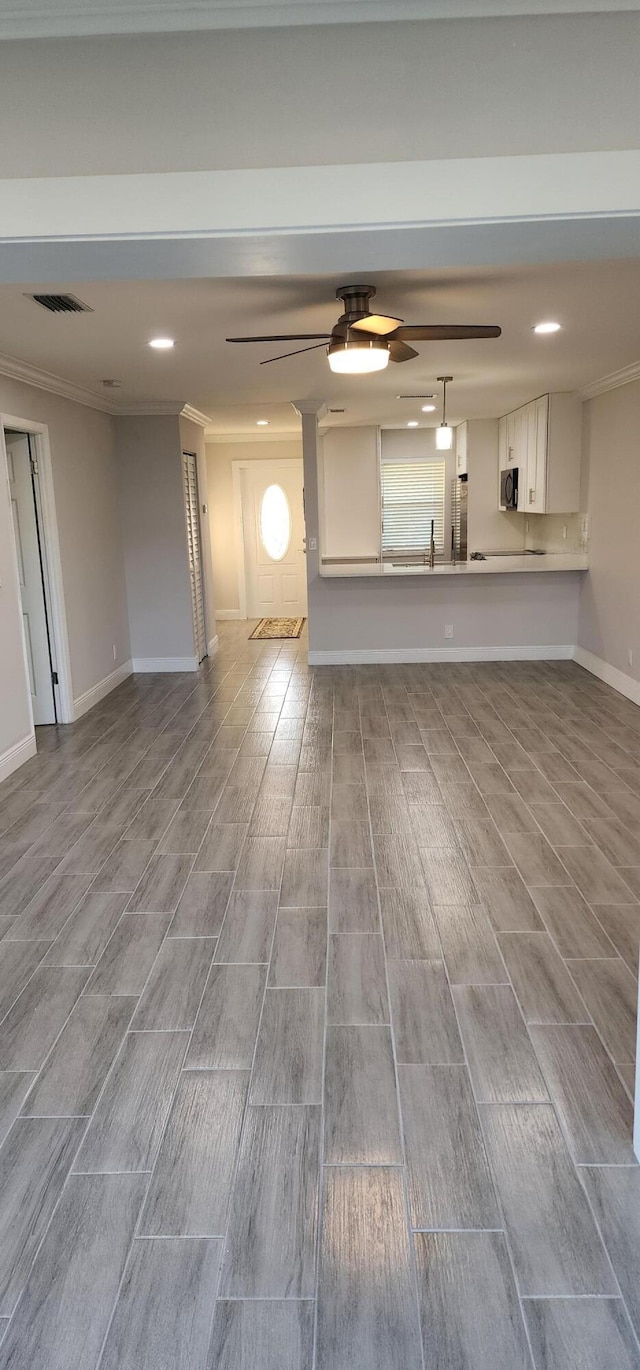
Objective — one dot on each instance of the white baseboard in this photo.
(16, 755)
(86, 701)
(213, 645)
(388, 656)
(228, 613)
(618, 680)
(144, 665)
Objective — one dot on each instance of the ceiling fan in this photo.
(363, 342)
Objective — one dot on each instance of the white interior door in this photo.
(274, 539)
(192, 513)
(30, 571)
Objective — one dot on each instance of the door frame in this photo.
(237, 467)
(52, 570)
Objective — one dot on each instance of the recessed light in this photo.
(428, 408)
(262, 423)
(413, 423)
(162, 344)
(549, 327)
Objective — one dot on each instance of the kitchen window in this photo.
(413, 493)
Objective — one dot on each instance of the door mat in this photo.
(277, 627)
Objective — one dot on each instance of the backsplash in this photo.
(557, 532)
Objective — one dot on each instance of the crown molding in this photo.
(625, 376)
(17, 370)
(196, 416)
(147, 409)
(221, 439)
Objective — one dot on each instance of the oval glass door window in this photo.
(275, 522)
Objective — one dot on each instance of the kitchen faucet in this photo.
(432, 547)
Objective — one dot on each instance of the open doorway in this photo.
(27, 508)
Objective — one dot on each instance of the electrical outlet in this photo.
(448, 629)
(313, 543)
(115, 652)
(564, 530)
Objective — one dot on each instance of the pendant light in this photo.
(444, 433)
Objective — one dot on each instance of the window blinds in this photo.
(412, 495)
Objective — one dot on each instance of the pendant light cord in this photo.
(445, 381)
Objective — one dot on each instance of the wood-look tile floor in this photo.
(317, 1001)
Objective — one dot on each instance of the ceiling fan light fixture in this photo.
(353, 357)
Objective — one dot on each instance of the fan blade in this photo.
(443, 332)
(281, 337)
(400, 352)
(380, 324)
(297, 352)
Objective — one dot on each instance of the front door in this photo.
(274, 539)
(29, 551)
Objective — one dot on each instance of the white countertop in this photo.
(492, 565)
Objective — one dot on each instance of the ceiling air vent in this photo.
(61, 304)
(419, 396)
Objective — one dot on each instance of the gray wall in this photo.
(404, 613)
(288, 97)
(154, 537)
(609, 622)
(220, 457)
(85, 485)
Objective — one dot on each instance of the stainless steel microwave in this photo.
(509, 488)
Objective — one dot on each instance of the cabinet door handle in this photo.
(532, 496)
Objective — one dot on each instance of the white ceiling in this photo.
(48, 18)
(596, 303)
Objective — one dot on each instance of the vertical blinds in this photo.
(455, 509)
(412, 495)
(195, 555)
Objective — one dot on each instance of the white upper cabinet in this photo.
(462, 449)
(502, 445)
(516, 437)
(544, 440)
(535, 472)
